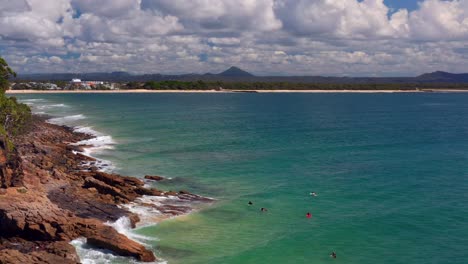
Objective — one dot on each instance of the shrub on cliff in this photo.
(13, 115)
(5, 73)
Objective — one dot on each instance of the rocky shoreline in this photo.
(50, 194)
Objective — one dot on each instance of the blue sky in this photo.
(397, 4)
(287, 37)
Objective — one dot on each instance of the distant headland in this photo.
(236, 79)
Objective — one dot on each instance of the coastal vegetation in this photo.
(236, 79)
(5, 73)
(239, 86)
(14, 116)
(218, 85)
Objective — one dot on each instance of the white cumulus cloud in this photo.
(298, 37)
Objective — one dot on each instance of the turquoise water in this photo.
(390, 171)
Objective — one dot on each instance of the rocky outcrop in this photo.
(10, 165)
(50, 195)
(24, 251)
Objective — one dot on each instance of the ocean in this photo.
(390, 172)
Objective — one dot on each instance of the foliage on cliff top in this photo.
(13, 115)
(5, 73)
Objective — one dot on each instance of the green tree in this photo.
(13, 115)
(5, 73)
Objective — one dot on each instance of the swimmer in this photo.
(263, 209)
(333, 255)
(250, 203)
(308, 215)
(313, 194)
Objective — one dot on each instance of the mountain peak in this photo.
(441, 76)
(436, 74)
(235, 72)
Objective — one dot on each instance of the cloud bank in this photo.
(288, 37)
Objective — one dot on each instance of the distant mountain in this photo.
(440, 76)
(235, 72)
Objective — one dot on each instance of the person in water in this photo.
(263, 209)
(250, 203)
(333, 255)
(313, 194)
(308, 215)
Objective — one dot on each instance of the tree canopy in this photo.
(13, 115)
(5, 73)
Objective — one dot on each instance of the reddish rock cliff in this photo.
(49, 196)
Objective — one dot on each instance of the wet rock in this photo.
(108, 238)
(170, 193)
(151, 192)
(134, 219)
(173, 209)
(154, 178)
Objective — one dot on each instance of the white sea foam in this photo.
(66, 120)
(90, 255)
(87, 130)
(149, 215)
(123, 225)
(49, 106)
(32, 100)
(96, 145)
(99, 143)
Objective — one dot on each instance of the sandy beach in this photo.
(225, 91)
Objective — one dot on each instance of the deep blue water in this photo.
(390, 171)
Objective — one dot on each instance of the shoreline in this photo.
(168, 204)
(55, 194)
(228, 91)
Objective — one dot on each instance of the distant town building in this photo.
(35, 86)
(90, 85)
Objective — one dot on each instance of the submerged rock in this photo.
(154, 178)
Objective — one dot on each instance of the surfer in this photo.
(313, 194)
(263, 209)
(250, 203)
(333, 255)
(308, 215)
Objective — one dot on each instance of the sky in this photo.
(265, 37)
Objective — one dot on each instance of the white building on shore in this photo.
(90, 85)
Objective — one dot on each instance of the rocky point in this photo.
(50, 196)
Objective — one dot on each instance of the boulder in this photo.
(108, 238)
